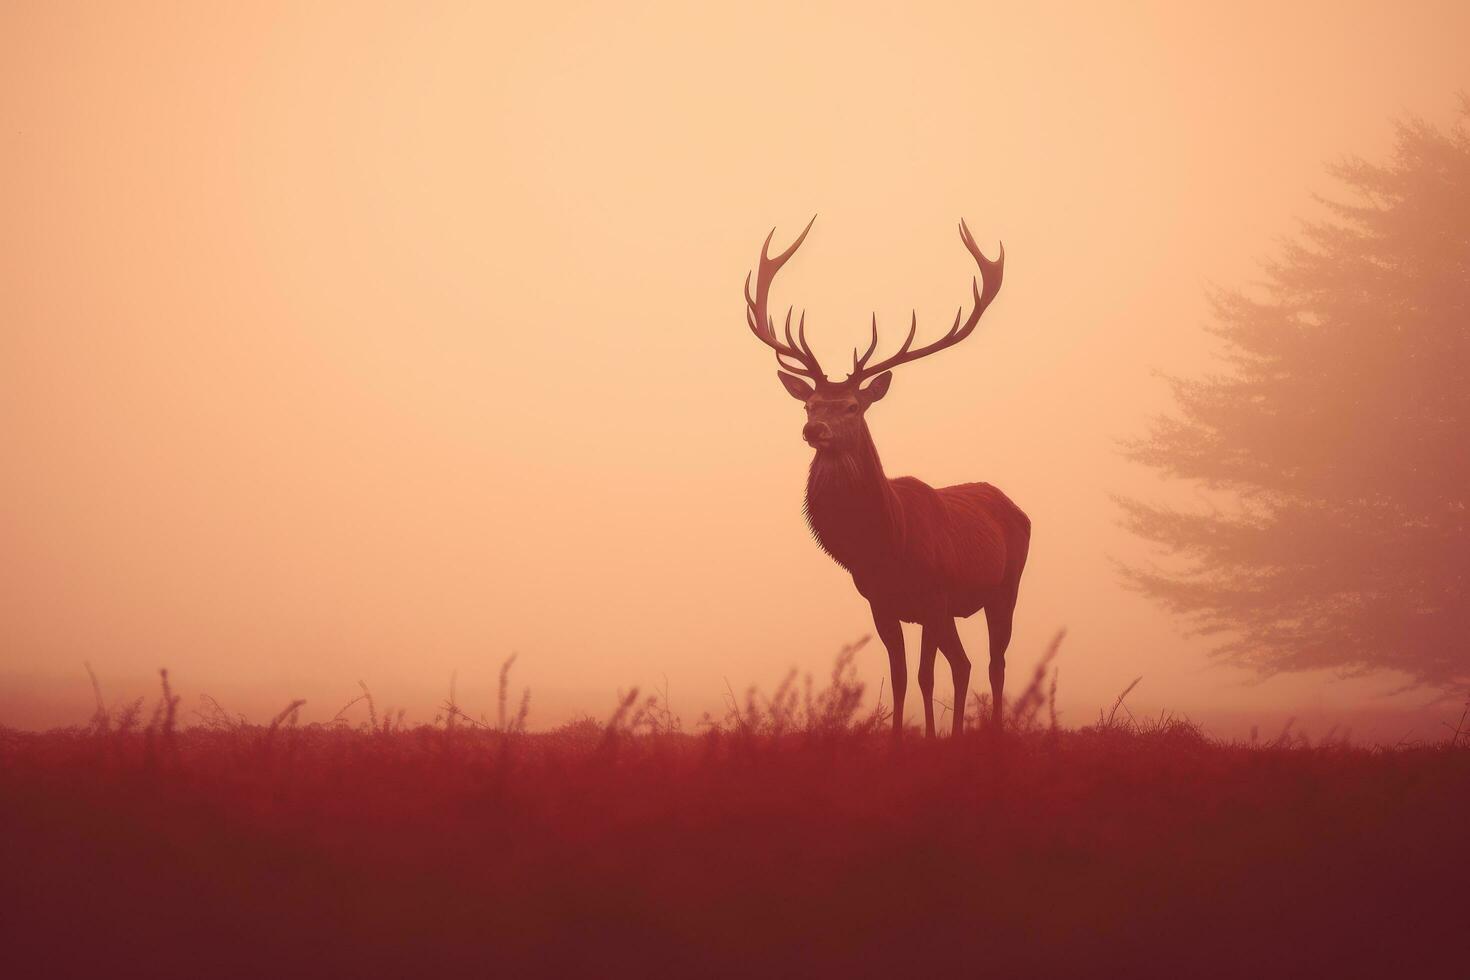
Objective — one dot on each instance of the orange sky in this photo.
(376, 342)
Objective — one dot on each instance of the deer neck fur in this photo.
(850, 505)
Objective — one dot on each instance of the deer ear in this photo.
(799, 389)
(876, 388)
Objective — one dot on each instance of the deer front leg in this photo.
(959, 666)
(891, 633)
(928, 647)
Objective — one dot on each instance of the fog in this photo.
(380, 343)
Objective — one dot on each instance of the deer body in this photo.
(953, 549)
(917, 554)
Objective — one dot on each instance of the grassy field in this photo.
(794, 837)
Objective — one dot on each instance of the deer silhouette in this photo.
(917, 554)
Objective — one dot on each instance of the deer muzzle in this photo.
(817, 434)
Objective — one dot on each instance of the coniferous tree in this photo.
(1339, 433)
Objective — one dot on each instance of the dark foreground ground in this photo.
(779, 845)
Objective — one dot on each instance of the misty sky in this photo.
(371, 342)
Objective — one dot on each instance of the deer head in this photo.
(835, 410)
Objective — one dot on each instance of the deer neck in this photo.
(850, 505)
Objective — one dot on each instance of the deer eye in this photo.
(852, 410)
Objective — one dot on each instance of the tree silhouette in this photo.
(1337, 438)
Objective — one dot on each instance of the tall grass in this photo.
(792, 835)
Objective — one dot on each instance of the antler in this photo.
(764, 326)
(985, 289)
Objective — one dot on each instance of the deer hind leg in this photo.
(959, 667)
(998, 620)
(928, 647)
(891, 633)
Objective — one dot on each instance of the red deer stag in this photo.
(917, 554)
